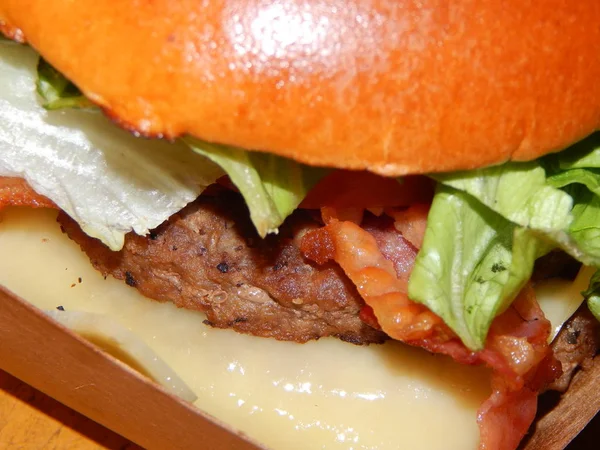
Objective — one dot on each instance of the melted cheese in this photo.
(561, 298)
(325, 394)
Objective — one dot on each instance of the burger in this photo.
(403, 170)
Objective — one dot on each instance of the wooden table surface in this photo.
(30, 420)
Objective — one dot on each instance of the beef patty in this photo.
(209, 258)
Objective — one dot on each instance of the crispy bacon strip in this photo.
(375, 277)
(411, 222)
(343, 189)
(16, 192)
(517, 350)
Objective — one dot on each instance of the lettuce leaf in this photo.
(583, 236)
(485, 230)
(272, 186)
(590, 178)
(551, 202)
(56, 91)
(106, 179)
(523, 194)
(592, 294)
(579, 165)
(517, 191)
(472, 264)
(577, 172)
(583, 154)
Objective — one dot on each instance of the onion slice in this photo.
(125, 346)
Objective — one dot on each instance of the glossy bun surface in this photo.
(392, 86)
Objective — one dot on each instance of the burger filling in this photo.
(283, 250)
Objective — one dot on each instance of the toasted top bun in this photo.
(392, 86)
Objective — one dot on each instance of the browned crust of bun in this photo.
(392, 86)
(11, 32)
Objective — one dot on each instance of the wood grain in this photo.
(31, 420)
(573, 412)
(54, 360)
